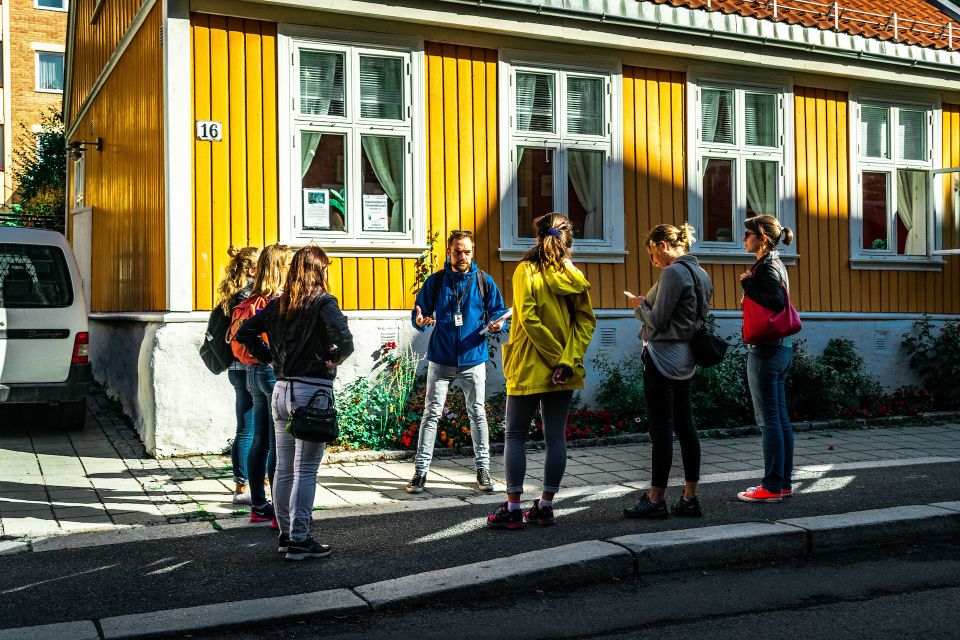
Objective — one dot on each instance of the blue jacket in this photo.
(451, 345)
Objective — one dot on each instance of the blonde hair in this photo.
(682, 237)
(554, 241)
(272, 270)
(235, 275)
(771, 229)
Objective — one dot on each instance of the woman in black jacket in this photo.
(766, 283)
(308, 337)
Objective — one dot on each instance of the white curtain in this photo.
(386, 157)
(309, 141)
(50, 71)
(912, 209)
(762, 187)
(710, 114)
(586, 175)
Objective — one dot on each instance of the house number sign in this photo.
(209, 130)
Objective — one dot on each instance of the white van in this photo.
(43, 324)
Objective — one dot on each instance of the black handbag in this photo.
(315, 423)
(708, 349)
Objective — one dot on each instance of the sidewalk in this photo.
(101, 479)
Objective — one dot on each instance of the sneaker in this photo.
(758, 494)
(262, 514)
(541, 516)
(687, 508)
(484, 481)
(283, 542)
(504, 518)
(786, 493)
(416, 484)
(241, 494)
(647, 509)
(274, 524)
(308, 548)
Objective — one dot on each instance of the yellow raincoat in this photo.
(553, 323)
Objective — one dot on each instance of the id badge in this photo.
(458, 319)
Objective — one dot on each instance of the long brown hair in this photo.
(235, 275)
(306, 281)
(771, 228)
(554, 241)
(271, 270)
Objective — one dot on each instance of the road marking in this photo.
(169, 569)
(72, 575)
(134, 533)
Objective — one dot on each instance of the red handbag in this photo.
(763, 326)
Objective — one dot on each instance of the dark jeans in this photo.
(554, 408)
(262, 461)
(767, 374)
(670, 411)
(240, 449)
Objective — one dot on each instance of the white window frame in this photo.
(609, 249)
(36, 69)
(64, 6)
(354, 241)
(79, 183)
(739, 152)
(888, 259)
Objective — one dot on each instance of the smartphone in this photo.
(629, 295)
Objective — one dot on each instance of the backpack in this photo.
(481, 284)
(243, 311)
(214, 351)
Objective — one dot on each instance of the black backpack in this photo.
(215, 350)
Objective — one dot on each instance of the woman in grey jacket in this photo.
(669, 313)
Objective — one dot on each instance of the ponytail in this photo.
(682, 237)
(770, 227)
(554, 241)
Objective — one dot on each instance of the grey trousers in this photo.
(554, 408)
(474, 380)
(295, 481)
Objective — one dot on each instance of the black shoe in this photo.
(283, 543)
(504, 518)
(687, 508)
(542, 516)
(647, 509)
(484, 481)
(308, 548)
(416, 484)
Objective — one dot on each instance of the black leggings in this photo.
(670, 411)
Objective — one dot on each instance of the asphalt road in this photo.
(873, 594)
(55, 586)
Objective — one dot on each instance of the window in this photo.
(33, 276)
(59, 5)
(79, 182)
(739, 167)
(893, 218)
(352, 173)
(49, 72)
(3, 150)
(561, 151)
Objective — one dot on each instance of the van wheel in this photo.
(73, 415)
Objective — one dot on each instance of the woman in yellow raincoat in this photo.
(553, 323)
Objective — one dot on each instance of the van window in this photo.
(33, 276)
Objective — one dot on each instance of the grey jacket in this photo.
(670, 309)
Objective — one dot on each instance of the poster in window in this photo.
(316, 208)
(375, 213)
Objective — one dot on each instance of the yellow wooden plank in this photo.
(348, 268)
(630, 170)
(203, 281)
(451, 124)
(436, 198)
(254, 132)
(220, 152)
(837, 284)
(814, 282)
(487, 239)
(335, 280)
(398, 285)
(828, 251)
(235, 133)
(365, 280)
(270, 158)
(665, 159)
(679, 169)
(492, 208)
(380, 289)
(852, 280)
(802, 296)
(468, 214)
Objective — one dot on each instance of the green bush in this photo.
(935, 356)
(620, 389)
(720, 394)
(831, 385)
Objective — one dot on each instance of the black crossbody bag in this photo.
(313, 423)
(708, 348)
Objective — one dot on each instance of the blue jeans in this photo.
(261, 462)
(240, 449)
(767, 369)
(474, 381)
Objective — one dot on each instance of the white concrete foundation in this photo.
(151, 365)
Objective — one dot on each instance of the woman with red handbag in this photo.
(769, 320)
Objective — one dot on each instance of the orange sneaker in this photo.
(758, 494)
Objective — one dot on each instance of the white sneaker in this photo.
(241, 498)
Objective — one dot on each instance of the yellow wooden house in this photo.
(366, 126)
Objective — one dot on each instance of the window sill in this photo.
(366, 250)
(896, 264)
(591, 255)
(789, 259)
(57, 91)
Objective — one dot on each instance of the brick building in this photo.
(33, 34)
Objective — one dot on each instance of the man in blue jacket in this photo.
(458, 302)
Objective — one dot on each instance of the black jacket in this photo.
(299, 346)
(766, 287)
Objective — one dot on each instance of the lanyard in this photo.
(463, 293)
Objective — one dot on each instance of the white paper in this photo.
(316, 208)
(505, 316)
(375, 213)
